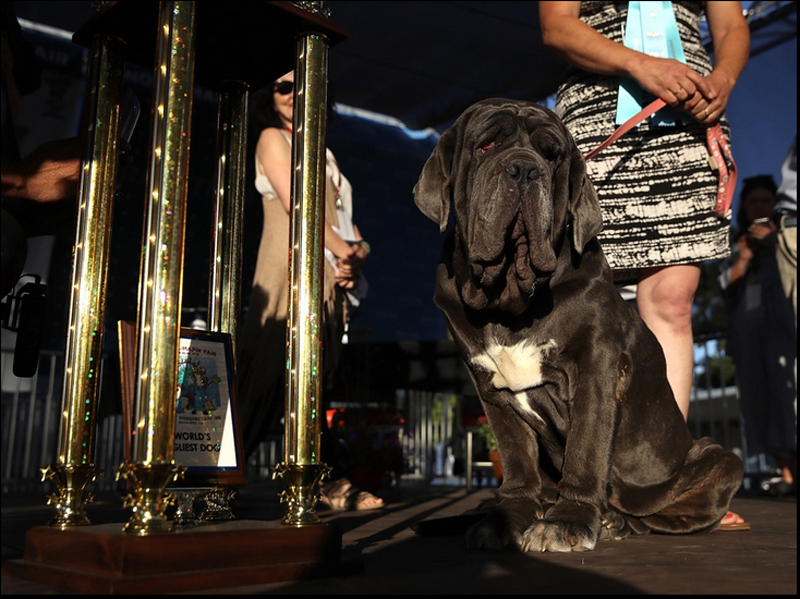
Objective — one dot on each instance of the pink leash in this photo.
(721, 157)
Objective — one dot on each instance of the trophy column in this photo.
(303, 470)
(224, 294)
(152, 465)
(224, 289)
(75, 469)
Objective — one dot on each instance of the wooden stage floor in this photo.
(393, 559)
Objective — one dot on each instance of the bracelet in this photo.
(365, 245)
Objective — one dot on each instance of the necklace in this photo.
(337, 185)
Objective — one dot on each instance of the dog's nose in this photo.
(522, 172)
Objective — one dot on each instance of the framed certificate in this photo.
(207, 435)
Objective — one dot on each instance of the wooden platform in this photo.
(101, 559)
(391, 558)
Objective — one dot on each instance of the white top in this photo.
(344, 209)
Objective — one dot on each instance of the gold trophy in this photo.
(151, 466)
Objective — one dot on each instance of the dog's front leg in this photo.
(574, 522)
(519, 499)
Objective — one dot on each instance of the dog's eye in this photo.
(487, 146)
(550, 145)
(551, 154)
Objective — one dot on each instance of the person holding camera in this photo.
(762, 339)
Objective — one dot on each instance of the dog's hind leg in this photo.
(709, 479)
(615, 527)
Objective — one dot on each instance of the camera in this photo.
(764, 222)
(23, 311)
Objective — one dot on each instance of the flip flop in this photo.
(736, 522)
(341, 495)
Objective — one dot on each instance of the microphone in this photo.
(30, 313)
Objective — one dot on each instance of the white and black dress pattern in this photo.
(655, 184)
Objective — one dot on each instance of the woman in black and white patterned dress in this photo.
(656, 188)
(655, 184)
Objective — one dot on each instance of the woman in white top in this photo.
(262, 340)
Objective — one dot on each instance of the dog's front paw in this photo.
(558, 536)
(504, 525)
(567, 526)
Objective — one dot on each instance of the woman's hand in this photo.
(731, 37)
(346, 282)
(351, 263)
(669, 79)
(746, 253)
(707, 106)
(360, 251)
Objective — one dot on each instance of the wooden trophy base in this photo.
(102, 559)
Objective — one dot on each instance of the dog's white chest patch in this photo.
(515, 367)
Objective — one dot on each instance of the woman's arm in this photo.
(274, 156)
(731, 36)
(581, 45)
(741, 263)
(587, 49)
(40, 190)
(275, 160)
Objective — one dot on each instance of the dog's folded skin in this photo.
(572, 382)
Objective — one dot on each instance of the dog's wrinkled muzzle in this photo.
(511, 251)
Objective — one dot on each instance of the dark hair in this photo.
(748, 185)
(262, 113)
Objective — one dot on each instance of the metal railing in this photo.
(433, 440)
(30, 417)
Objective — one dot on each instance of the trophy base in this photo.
(102, 559)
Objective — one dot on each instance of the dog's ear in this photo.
(432, 191)
(583, 205)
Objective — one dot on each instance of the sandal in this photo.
(733, 521)
(341, 495)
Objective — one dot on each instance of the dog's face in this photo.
(516, 180)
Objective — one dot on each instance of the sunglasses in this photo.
(284, 87)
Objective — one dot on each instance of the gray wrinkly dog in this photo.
(573, 383)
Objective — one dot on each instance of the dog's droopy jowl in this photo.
(573, 383)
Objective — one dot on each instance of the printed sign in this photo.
(207, 439)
